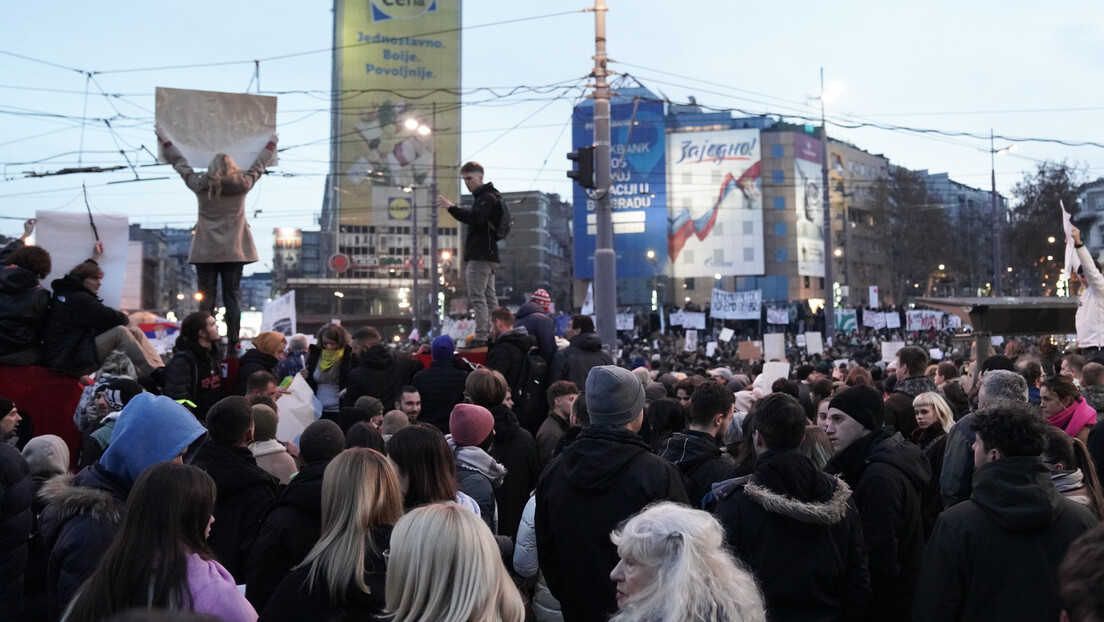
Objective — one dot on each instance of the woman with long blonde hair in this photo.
(445, 567)
(934, 419)
(343, 576)
(222, 243)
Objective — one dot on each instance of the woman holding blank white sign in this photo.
(222, 244)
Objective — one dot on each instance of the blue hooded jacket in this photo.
(151, 429)
(84, 511)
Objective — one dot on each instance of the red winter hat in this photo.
(470, 425)
(542, 298)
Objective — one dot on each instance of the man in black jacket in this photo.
(195, 373)
(509, 347)
(441, 385)
(585, 352)
(245, 491)
(796, 527)
(294, 524)
(379, 371)
(996, 556)
(602, 478)
(696, 451)
(480, 245)
(889, 476)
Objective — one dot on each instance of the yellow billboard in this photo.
(397, 75)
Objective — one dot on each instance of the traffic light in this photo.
(583, 173)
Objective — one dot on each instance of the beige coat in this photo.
(222, 233)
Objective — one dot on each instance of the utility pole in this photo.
(414, 293)
(997, 221)
(829, 290)
(605, 264)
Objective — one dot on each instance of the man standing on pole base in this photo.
(480, 246)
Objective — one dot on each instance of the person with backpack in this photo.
(488, 221)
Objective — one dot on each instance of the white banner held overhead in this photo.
(737, 305)
(726, 334)
(774, 346)
(70, 239)
(893, 319)
(873, 296)
(279, 315)
(814, 344)
(778, 315)
(624, 321)
(693, 319)
(890, 349)
(205, 123)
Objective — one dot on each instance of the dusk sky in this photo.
(1024, 70)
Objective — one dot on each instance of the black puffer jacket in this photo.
(195, 373)
(698, 457)
(293, 600)
(514, 448)
(80, 520)
(486, 209)
(441, 386)
(77, 316)
(506, 354)
(996, 556)
(799, 531)
(287, 534)
(245, 493)
(24, 306)
(576, 360)
(251, 362)
(16, 494)
(381, 373)
(889, 476)
(602, 477)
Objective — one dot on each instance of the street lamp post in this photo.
(830, 290)
(416, 263)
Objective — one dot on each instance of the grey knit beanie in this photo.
(614, 395)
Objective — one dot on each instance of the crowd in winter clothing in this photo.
(549, 481)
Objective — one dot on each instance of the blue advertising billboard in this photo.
(638, 184)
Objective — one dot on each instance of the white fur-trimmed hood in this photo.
(827, 512)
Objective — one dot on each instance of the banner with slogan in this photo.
(923, 320)
(396, 62)
(737, 305)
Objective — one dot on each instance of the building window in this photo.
(778, 177)
(780, 229)
(776, 151)
(779, 202)
(780, 255)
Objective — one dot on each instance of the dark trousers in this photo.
(207, 277)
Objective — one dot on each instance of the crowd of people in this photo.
(654, 490)
(553, 481)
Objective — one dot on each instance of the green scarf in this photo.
(329, 357)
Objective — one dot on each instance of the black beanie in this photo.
(863, 404)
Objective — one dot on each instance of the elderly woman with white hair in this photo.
(675, 568)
